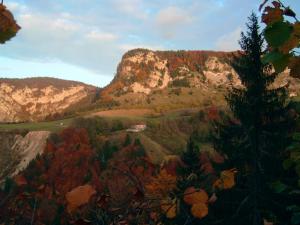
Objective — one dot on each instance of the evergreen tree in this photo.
(127, 141)
(254, 140)
(190, 158)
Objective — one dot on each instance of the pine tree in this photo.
(127, 141)
(190, 158)
(254, 140)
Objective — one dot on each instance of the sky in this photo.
(84, 40)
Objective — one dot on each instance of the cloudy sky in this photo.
(84, 39)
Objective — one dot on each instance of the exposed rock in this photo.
(16, 151)
(36, 98)
(145, 71)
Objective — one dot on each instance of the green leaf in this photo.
(296, 219)
(278, 187)
(278, 33)
(280, 61)
(272, 57)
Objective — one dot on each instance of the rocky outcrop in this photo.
(36, 98)
(17, 151)
(142, 71)
(145, 71)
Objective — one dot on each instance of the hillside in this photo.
(17, 151)
(165, 80)
(35, 99)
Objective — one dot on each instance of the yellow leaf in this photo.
(192, 196)
(169, 207)
(199, 210)
(226, 180)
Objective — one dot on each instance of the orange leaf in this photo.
(79, 196)
(192, 196)
(199, 210)
(292, 43)
(161, 185)
(227, 180)
(169, 207)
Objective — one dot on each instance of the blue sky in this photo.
(84, 40)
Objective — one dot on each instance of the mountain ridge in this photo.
(33, 99)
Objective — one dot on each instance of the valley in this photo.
(83, 144)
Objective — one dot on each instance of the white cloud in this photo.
(131, 8)
(229, 42)
(15, 6)
(61, 37)
(171, 19)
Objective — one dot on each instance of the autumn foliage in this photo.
(8, 25)
(282, 35)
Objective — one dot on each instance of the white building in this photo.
(137, 128)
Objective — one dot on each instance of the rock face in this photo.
(36, 98)
(143, 71)
(165, 80)
(17, 151)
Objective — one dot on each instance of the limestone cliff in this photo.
(17, 151)
(142, 71)
(36, 98)
(177, 79)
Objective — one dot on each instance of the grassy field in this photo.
(133, 116)
(38, 126)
